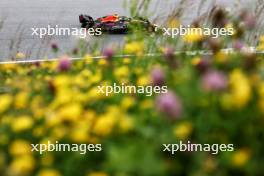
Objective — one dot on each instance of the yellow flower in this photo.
(127, 102)
(22, 165)
(20, 147)
(173, 23)
(97, 174)
(21, 100)
(102, 62)
(146, 104)
(143, 81)
(221, 57)
(240, 89)
(22, 123)
(5, 102)
(261, 44)
(80, 133)
(96, 78)
(127, 61)
(195, 61)
(58, 132)
(261, 38)
(240, 157)
(105, 124)
(49, 172)
(134, 48)
(194, 36)
(183, 130)
(126, 124)
(20, 55)
(121, 72)
(70, 112)
(88, 59)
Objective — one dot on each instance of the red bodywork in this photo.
(110, 18)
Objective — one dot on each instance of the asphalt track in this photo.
(19, 16)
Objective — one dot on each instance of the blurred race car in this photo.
(116, 24)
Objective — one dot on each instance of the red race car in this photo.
(115, 23)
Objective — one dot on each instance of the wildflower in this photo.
(146, 104)
(238, 45)
(64, 64)
(5, 102)
(102, 62)
(22, 165)
(104, 125)
(88, 59)
(22, 123)
(49, 172)
(134, 48)
(126, 124)
(168, 53)
(193, 37)
(169, 104)
(158, 77)
(127, 102)
(21, 100)
(240, 157)
(20, 147)
(203, 65)
(80, 133)
(195, 61)
(121, 72)
(183, 130)
(221, 57)
(108, 53)
(20, 55)
(143, 80)
(248, 19)
(127, 61)
(240, 91)
(70, 112)
(260, 47)
(214, 81)
(173, 23)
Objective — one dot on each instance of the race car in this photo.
(116, 24)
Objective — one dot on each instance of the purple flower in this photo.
(237, 44)
(108, 53)
(169, 104)
(64, 64)
(158, 77)
(214, 81)
(169, 53)
(203, 65)
(250, 21)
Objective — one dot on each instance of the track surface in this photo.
(20, 16)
